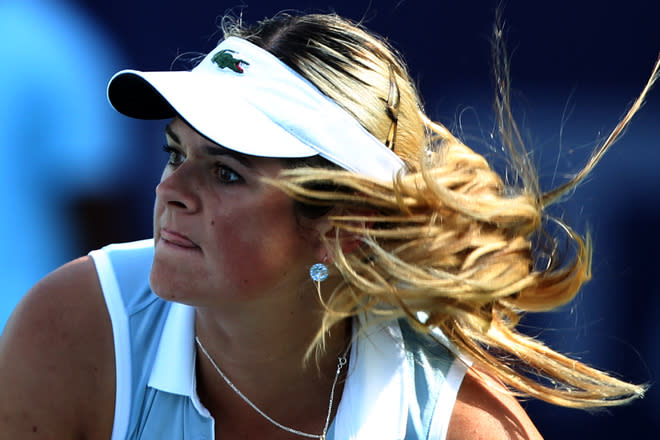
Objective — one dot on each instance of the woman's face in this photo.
(221, 234)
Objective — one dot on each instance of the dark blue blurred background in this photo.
(74, 175)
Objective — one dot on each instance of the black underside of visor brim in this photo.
(132, 96)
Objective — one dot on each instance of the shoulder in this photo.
(485, 410)
(57, 359)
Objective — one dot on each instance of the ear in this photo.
(348, 241)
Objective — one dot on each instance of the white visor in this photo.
(245, 99)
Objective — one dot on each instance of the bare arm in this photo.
(483, 410)
(57, 360)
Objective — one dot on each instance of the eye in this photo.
(175, 158)
(227, 175)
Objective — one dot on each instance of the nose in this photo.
(179, 189)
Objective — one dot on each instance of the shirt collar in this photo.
(173, 370)
(375, 402)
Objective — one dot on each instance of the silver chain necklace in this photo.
(340, 364)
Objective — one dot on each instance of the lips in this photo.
(177, 239)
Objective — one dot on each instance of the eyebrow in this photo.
(214, 150)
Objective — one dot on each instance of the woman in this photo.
(301, 143)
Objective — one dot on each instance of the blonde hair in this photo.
(448, 237)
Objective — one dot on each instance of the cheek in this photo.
(263, 249)
(240, 256)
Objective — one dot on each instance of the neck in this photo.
(268, 331)
(263, 357)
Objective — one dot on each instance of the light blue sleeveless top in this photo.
(399, 386)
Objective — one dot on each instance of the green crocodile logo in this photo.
(224, 58)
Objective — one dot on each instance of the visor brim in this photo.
(208, 105)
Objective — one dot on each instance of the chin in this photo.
(170, 287)
(164, 286)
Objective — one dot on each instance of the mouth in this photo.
(175, 239)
